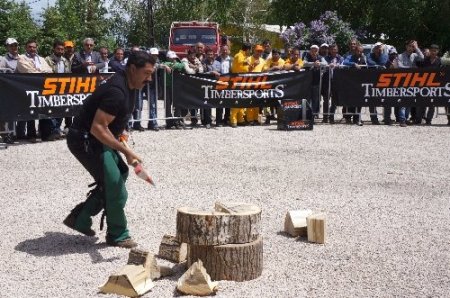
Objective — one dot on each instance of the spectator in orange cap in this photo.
(69, 51)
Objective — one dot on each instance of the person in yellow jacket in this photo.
(275, 62)
(294, 62)
(255, 64)
(239, 65)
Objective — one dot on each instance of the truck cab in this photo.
(184, 35)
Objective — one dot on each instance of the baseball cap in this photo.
(377, 44)
(392, 50)
(258, 48)
(11, 41)
(154, 51)
(314, 46)
(68, 43)
(171, 55)
(324, 45)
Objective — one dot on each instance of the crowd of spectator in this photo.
(201, 59)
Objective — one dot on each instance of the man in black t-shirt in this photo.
(93, 140)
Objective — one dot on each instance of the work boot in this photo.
(125, 243)
(70, 222)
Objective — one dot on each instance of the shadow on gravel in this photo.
(58, 244)
(298, 239)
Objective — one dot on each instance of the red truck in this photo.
(184, 35)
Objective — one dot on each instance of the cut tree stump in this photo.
(295, 222)
(241, 223)
(237, 262)
(172, 250)
(317, 228)
(196, 281)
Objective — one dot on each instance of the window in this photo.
(208, 36)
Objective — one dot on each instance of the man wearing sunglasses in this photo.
(88, 60)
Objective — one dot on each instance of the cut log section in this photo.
(135, 278)
(317, 228)
(196, 281)
(196, 227)
(237, 262)
(295, 222)
(172, 250)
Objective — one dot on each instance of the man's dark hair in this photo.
(191, 51)
(333, 45)
(31, 41)
(246, 46)
(208, 50)
(266, 41)
(276, 51)
(140, 59)
(58, 43)
(119, 49)
(409, 41)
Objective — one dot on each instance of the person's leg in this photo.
(31, 129)
(429, 116)
(137, 111)
(152, 109)
(115, 175)
(219, 116)
(374, 115)
(233, 116)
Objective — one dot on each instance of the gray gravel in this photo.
(384, 189)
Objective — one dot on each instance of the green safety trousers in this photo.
(110, 173)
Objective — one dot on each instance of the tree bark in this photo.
(172, 250)
(196, 227)
(237, 262)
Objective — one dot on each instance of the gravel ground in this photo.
(385, 191)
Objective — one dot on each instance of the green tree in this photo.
(16, 21)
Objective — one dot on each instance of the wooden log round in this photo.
(197, 227)
(236, 262)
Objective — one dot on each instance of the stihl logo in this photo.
(252, 82)
(425, 79)
(69, 85)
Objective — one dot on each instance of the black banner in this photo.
(392, 87)
(240, 90)
(38, 96)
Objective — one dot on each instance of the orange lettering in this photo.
(398, 78)
(222, 83)
(84, 85)
(235, 81)
(431, 83)
(384, 80)
(419, 79)
(63, 82)
(93, 84)
(50, 86)
(72, 85)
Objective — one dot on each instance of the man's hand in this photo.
(131, 157)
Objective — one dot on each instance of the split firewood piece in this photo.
(295, 222)
(196, 281)
(172, 250)
(237, 262)
(135, 278)
(196, 227)
(317, 228)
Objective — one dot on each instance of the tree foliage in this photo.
(16, 22)
(392, 20)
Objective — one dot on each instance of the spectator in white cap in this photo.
(376, 59)
(323, 50)
(172, 64)
(10, 61)
(8, 64)
(152, 103)
(314, 61)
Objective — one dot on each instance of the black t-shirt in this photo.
(113, 97)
